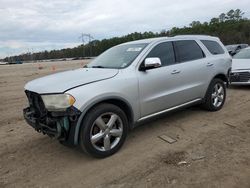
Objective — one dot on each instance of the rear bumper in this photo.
(60, 125)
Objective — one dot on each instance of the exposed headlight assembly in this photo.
(58, 102)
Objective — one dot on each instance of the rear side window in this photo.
(187, 50)
(165, 52)
(213, 47)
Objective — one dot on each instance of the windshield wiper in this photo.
(98, 66)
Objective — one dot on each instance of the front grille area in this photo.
(60, 125)
(240, 77)
(36, 104)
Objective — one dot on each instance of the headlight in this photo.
(58, 102)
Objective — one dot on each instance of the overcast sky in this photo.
(35, 25)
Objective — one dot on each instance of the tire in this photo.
(65, 143)
(103, 130)
(216, 92)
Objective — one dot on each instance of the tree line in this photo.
(231, 27)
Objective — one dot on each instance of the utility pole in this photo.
(31, 55)
(8, 58)
(89, 38)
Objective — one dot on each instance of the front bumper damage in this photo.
(60, 125)
(240, 77)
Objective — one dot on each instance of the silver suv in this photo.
(95, 106)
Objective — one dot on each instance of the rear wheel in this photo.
(103, 130)
(215, 96)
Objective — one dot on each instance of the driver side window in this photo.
(164, 51)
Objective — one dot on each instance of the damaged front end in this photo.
(57, 124)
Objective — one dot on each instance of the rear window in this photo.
(213, 47)
(187, 50)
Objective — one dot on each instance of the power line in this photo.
(89, 37)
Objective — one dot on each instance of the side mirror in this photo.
(231, 53)
(151, 63)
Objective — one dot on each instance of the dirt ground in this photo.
(212, 149)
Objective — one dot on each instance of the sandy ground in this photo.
(212, 149)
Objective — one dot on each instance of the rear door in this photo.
(194, 70)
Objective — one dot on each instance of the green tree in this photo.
(230, 15)
(238, 14)
(222, 17)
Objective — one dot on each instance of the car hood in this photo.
(63, 81)
(241, 64)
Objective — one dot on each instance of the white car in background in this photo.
(241, 68)
(235, 48)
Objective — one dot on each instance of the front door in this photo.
(156, 86)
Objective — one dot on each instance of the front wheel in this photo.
(104, 130)
(215, 96)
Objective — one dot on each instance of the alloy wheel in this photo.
(218, 95)
(106, 131)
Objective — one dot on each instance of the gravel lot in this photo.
(212, 149)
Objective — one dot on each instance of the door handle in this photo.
(210, 64)
(175, 72)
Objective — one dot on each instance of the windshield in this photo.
(118, 56)
(243, 54)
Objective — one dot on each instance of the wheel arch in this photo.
(221, 76)
(118, 101)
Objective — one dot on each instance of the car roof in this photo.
(187, 37)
